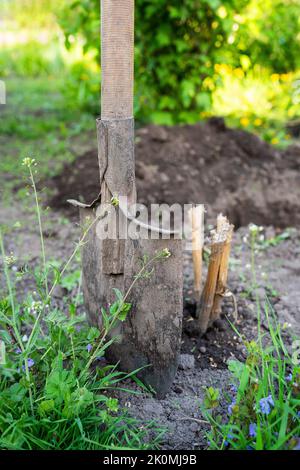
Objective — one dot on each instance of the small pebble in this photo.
(186, 361)
(178, 389)
(194, 427)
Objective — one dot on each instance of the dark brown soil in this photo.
(230, 170)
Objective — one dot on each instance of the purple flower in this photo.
(266, 404)
(30, 363)
(229, 436)
(89, 348)
(252, 429)
(289, 377)
(18, 351)
(233, 389)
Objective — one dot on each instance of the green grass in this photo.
(55, 390)
(263, 405)
(38, 122)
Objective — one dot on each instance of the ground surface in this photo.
(231, 171)
(204, 360)
(244, 177)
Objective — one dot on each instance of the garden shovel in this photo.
(150, 337)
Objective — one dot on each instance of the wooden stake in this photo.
(209, 308)
(224, 227)
(208, 293)
(196, 216)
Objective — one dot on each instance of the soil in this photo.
(245, 178)
(232, 171)
(204, 360)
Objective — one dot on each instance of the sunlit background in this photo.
(194, 59)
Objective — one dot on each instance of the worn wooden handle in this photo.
(117, 58)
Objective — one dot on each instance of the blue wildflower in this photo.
(289, 377)
(30, 363)
(252, 429)
(266, 404)
(89, 348)
(229, 436)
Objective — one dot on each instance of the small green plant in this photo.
(56, 389)
(263, 404)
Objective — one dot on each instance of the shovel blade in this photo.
(150, 337)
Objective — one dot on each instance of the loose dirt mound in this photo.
(230, 170)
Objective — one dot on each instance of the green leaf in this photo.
(112, 404)
(45, 407)
(211, 399)
(284, 422)
(125, 309)
(236, 368)
(59, 385)
(17, 392)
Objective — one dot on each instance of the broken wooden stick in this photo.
(208, 294)
(196, 215)
(214, 289)
(225, 228)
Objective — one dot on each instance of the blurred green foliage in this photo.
(33, 60)
(179, 44)
(269, 34)
(193, 59)
(40, 13)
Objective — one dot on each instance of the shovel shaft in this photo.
(117, 58)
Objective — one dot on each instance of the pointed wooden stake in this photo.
(224, 227)
(209, 307)
(208, 294)
(196, 215)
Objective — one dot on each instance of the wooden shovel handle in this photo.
(117, 58)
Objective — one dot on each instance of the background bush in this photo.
(180, 44)
(193, 59)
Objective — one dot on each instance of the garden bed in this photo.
(238, 174)
(231, 171)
